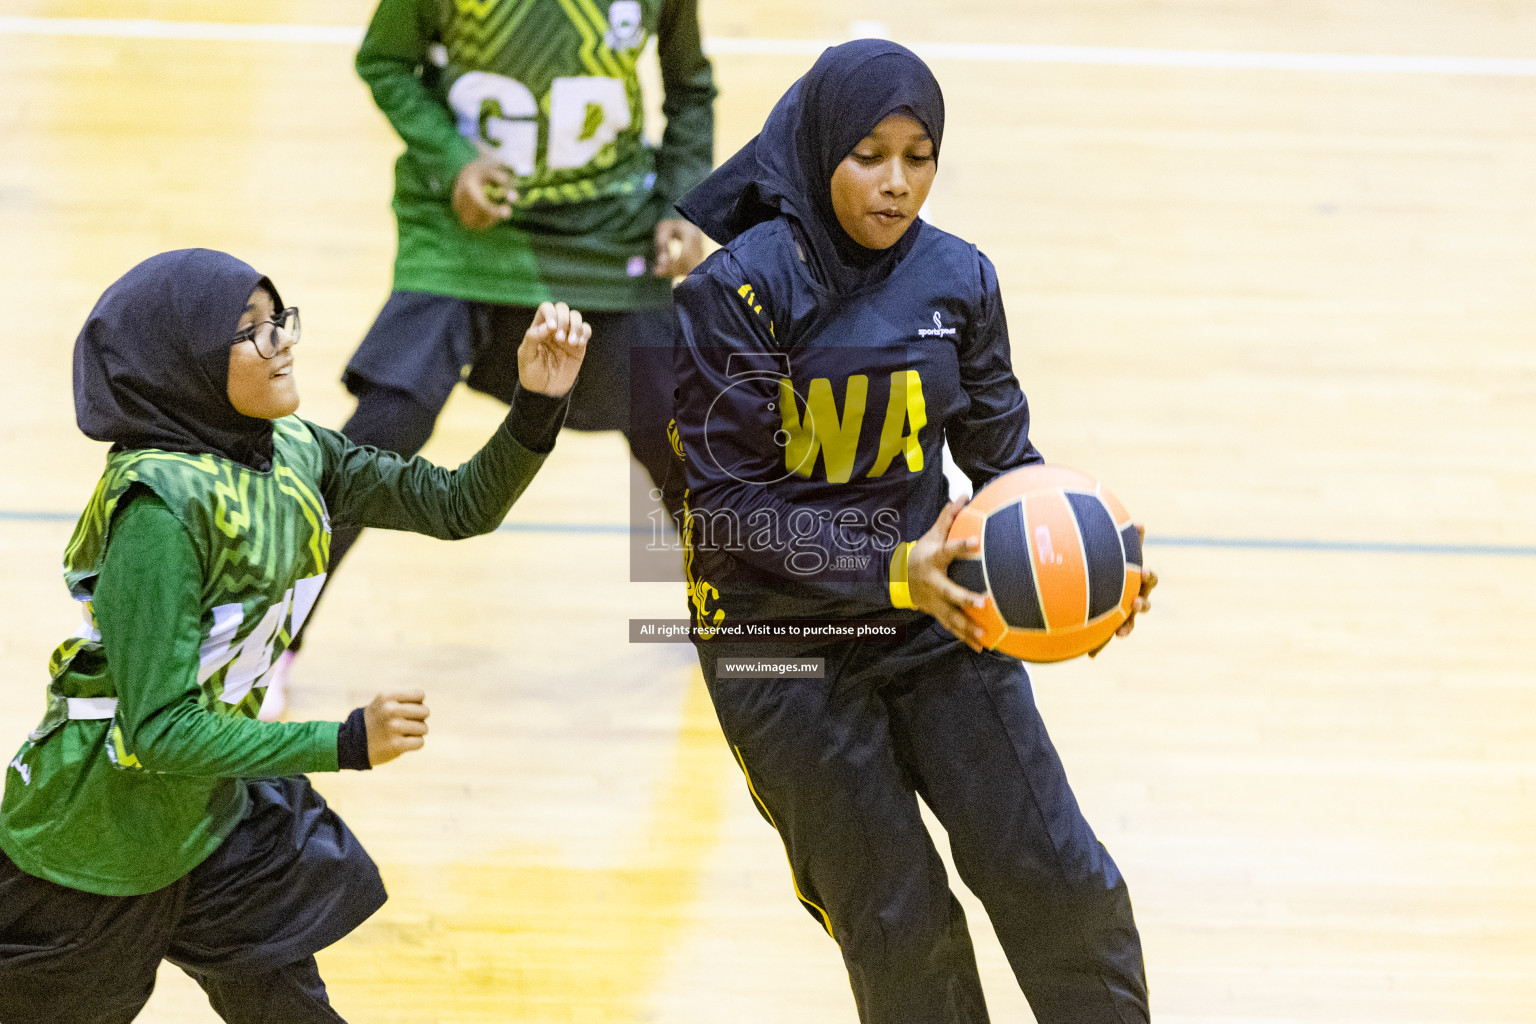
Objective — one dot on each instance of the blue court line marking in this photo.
(14, 516)
(1348, 546)
(1249, 543)
(1252, 543)
(1156, 540)
(617, 529)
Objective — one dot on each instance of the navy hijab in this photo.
(787, 168)
(152, 361)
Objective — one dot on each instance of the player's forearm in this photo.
(420, 121)
(186, 740)
(688, 143)
(370, 488)
(992, 435)
(483, 490)
(987, 447)
(534, 420)
(388, 61)
(688, 88)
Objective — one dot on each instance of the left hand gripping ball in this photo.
(1059, 563)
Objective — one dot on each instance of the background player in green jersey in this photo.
(526, 178)
(149, 816)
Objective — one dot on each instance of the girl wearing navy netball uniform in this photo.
(825, 355)
(149, 815)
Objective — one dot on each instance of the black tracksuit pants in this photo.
(837, 764)
(289, 880)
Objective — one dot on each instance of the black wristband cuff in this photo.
(535, 419)
(352, 743)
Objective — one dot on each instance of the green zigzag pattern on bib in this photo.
(256, 534)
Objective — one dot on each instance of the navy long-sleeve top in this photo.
(812, 424)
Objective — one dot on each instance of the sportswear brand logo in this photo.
(1043, 549)
(23, 770)
(625, 30)
(938, 330)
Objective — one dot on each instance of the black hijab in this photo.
(787, 168)
(152, 361)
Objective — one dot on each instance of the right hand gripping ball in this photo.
(1059, 564)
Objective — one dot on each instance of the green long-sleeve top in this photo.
(549, 88)
(195, 573)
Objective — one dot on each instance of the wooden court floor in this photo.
(1290, 316)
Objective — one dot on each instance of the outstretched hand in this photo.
(396, 723)
(552, 349)
(930, 586)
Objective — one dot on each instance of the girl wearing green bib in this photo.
(149, 815)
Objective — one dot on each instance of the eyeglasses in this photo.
(264, 334)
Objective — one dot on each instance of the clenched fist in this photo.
(396, 722)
